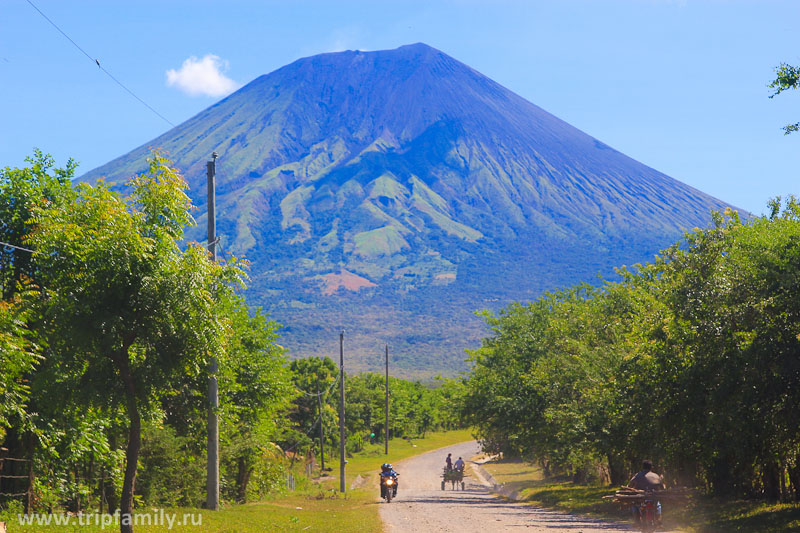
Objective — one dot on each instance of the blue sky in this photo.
(678, 85)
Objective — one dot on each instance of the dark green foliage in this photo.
(691, 360)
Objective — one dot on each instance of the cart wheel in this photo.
(442, 485)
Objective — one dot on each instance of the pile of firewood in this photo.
(625, 494)
(629, 495)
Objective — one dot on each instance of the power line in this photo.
(306, 433)
(18, 247)
(97, 61)
(319, 417)
(335, 381)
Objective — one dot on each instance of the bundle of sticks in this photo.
(629, 495)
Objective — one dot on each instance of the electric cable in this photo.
(315, 394)
(97, 61)
(18, 247)
(319, 417)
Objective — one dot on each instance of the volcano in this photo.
(392, 194)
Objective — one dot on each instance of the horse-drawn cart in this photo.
(453, 476)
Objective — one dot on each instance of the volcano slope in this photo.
(393, 194)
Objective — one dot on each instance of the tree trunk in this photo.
(78, 492)
(546, 468)
(29, 445)
(579, 475)
(109, 492)
(721, 477)
(772, 489)
(784, 493)
(616, 470)
(102, 489)
(134, 444)
(794, 478)
(242, 480)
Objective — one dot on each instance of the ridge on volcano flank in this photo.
(401, 190)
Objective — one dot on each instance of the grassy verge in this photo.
(293, 512)
(319, 508)
(698, 515)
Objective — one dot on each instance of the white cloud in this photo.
(202, 77)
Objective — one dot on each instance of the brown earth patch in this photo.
(347, 280)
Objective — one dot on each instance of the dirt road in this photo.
(422, 507)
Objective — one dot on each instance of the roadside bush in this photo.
(172, 472)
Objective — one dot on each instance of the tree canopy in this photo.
(691, 360)
(126, 312)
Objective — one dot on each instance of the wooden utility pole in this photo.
(386, 439)
(342, 460)
(321, 431)
(212, 468)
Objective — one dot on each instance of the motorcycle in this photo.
(645, 505)
(648, 512)
(388, 486)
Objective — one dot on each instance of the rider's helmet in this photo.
(386, 467)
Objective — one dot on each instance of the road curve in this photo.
(422, 507)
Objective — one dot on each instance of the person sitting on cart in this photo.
(448, 462)
(459, 465)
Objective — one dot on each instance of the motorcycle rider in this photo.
(645, 480)
(388, 471)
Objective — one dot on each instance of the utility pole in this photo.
(386, 440)
(212, 468)
(321, 431)
(342, 459)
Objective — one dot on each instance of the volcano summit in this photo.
(394, 193)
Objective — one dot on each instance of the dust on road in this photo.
(422, 507)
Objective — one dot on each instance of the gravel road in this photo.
(422, 507)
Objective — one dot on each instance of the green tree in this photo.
(690, 360)
(256, 390)
(18, 359)
(500, 402)
(787, 77)
(21, 190)
(312, 376)
(126, 311)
